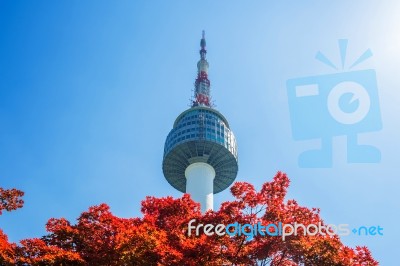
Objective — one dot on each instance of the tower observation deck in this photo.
(200, 152)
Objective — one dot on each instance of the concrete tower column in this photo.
(200, 183)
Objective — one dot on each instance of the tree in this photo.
(161, 236)
(10, 199)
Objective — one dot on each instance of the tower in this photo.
(200, 152)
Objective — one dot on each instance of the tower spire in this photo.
(203, 51)
(202, 95)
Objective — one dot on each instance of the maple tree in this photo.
(161, 236)
(10, 199)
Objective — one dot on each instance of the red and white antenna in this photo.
(202, 95)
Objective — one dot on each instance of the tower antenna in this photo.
(202, 84)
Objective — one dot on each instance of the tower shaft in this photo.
(199, 184)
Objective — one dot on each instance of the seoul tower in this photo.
(200, 152)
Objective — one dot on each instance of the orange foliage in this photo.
(160, 237)
(10, 199)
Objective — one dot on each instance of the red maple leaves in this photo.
(160, 237)
(10, 199)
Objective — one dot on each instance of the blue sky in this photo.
(89, 91)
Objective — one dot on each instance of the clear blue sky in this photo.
(89, 91)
